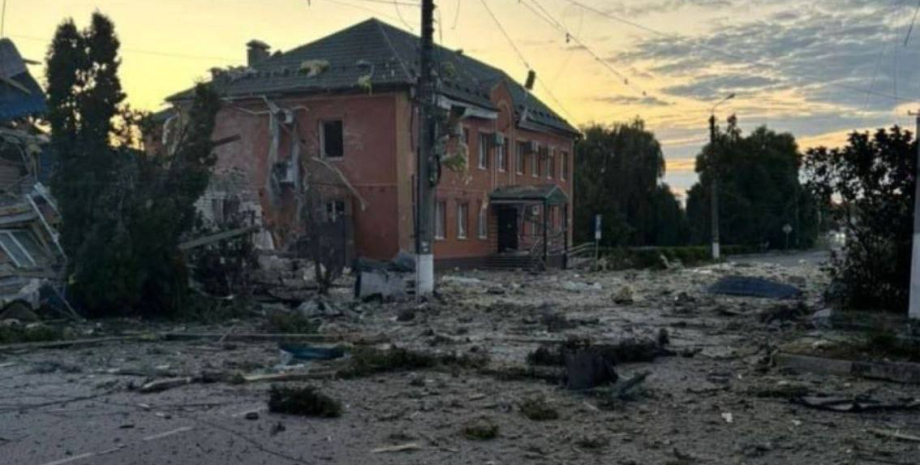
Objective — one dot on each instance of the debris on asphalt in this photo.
(303, 401)
(747, 286)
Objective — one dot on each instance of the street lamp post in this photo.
(714, 186)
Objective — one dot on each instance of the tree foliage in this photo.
(871, 181)
(618, 172)
(759, 190)
(124, 210)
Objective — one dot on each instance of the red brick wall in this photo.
(369, 161)
(379, 161)
(477, 184)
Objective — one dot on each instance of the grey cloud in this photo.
(829, 52)
(634, 100)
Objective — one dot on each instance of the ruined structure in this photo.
(338, 115)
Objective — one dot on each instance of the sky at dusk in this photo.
(818, 68)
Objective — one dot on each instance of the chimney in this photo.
(256, 52)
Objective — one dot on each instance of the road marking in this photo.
(168, 433)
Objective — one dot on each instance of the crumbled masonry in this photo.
(473, 376)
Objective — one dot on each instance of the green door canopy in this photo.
(550, 194)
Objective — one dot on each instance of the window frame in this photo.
(322, 138)
(23, 249)
(565, 166)
(483, 150)
(463, 216)
(535, 160)
(440, 220)
(334, 204)
(519, 154)
(550, 163)
(483, 223)
(501, 153)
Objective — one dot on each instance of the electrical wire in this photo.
(718, 51)
(523, 59)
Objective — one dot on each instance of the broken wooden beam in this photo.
(221, 236)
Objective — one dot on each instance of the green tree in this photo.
(124, 210)
(759, 190)
(871, 182)
(618, 173)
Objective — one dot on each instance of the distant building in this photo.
(344, 105)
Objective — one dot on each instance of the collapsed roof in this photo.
(376, 55)
(20, 94)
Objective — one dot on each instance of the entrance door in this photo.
(507, 229)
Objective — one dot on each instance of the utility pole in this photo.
(914, 309)
(425, 178)
(714, 188)
(714, 194)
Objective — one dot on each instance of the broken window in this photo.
(440, 220)
(483, 151)
(519, 157)
(332, 139)
(18, 245)
(483, 222)
(462, 215)
(335, 210)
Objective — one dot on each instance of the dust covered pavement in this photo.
(713, 398)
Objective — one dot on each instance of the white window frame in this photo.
(519, 153)
(322, 138)
(501, 153)
(440, 220)
(463, 216)
(483, 161)
(334, 216)
(535, 161)
(550, 163)
(32, 262)
(483, 222)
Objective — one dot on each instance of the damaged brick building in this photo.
(344, 106)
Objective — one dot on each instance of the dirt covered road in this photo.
(713, 397)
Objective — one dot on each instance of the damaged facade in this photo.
(338, 115)
(31, 259)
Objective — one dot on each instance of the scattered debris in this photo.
(308, 353)
(252, 416)
(894, 435)
(165, 384)
(754, 287)
(783, 313)
(481, 429)
(304, 401)
(398, 448)
(624, 296)
(592, 442)
(855, 405)
(587, 369)
(538, 409)
(728, 417)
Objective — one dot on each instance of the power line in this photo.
(721, 52)
(569, 36)
(505, 33)
(139, 51)
(523, 59)
(911, 28)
